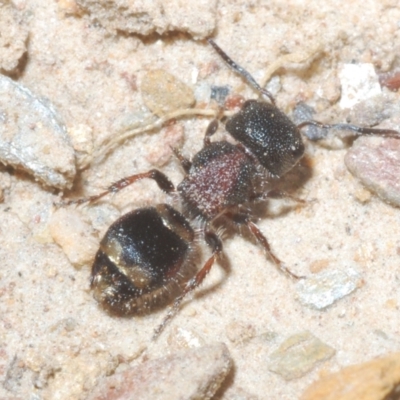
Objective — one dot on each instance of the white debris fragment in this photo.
(359, 82)
(32, 137)
(323, 289)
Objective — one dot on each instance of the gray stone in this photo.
(33, 138)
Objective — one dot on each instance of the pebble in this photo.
(190, 374)
(240, 332)
(390, 79)
(69, 7)
(179, 338)
(69, 230)
(69, 377)
(372, 380)
(304, 112)
(33, 138)
(323, 289)
(220, 93)
(375, 162)
(163, 92)
(82, 141)
(298, 355)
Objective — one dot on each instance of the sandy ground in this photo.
(55, 341)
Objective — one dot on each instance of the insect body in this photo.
(143, 260)
(147, 258)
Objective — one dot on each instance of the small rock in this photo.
(163, 93)
(69, 7)
(374, 380)
(362, 194)
(220, 93)
(358, 82)
(304, 112)
(375, 162)
(33, 138)
(72, 234)
(323, 289)
(180, 338)
(239, 332)
(390, 79)
(319, 265)
(157, 16)
(76, 373)
(191, 374)
(234, 102)
(298, 355)
(82, 141)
